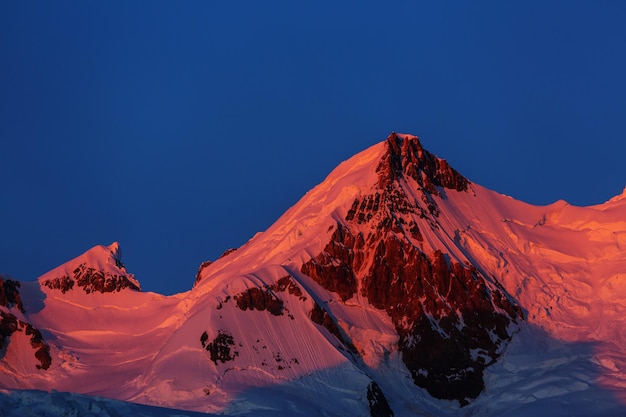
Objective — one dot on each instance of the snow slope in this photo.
(30, 403)
(257, 336)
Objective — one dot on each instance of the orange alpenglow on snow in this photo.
(396, 286)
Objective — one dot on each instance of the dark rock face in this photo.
(9, 294)
(286, 284)
(451, 322)
(332, 269)
(259, 299)
(379, 407)
(265, 298)
(445, 315)
(91, 280)
(42, 350)
(9, 324)
(63, 283)
(220, 348)
(321, 317)
(408, 157)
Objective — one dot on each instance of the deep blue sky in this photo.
(180, 129)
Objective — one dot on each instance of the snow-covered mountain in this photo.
(395, 287)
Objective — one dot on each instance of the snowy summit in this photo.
(395, 287)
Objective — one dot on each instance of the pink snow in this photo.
(565, 265)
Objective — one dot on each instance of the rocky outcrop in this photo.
(202, 267)
(10, 324)
(332, 268)
(406, 156)
(42, 350)
(91, 280)
(10, 294)
(265, 298)
(260, 299)
(379, 407)
(321, 317)
(452, 322)
(219, 348)
(286, 284)
(64, 283)
(206, 264)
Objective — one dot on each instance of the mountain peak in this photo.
(115, 250)
(100, 269)
(383, 284)
(104, 257)
(405, 156)
(385, 250)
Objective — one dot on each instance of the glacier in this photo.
(260, 333)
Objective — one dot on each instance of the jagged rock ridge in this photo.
(406, 157)
(452, 322)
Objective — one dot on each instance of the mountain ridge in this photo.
(394, 282)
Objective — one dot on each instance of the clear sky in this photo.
(180, 129)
